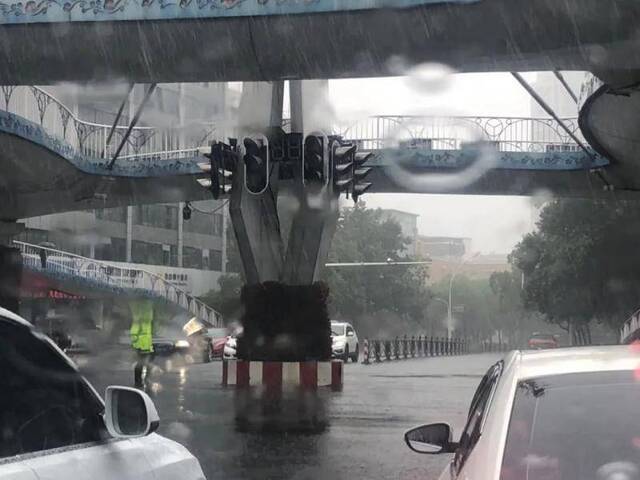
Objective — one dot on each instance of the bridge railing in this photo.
(517, 134)
(449, 132)
(65, 265)
(90, 139)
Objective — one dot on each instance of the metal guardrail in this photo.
(422, 346)
(95, 273)
(630, 330)
(400, 348)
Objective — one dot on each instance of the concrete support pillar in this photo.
(283, 234)
(310, 107)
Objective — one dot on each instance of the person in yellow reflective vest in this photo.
(141, 336)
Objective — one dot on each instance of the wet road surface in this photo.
(361, 434)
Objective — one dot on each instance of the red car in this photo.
(217, 347)
(543, 340)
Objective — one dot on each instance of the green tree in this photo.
(385, 300)
(475, 307)
(226, 299)
(581, 264)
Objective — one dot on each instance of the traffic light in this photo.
(359, 174)
(342, 160)
(315, 164)
(186, 212)
(220, 167)
(256, 163)
(349, 170)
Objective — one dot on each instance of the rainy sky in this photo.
(495, 224)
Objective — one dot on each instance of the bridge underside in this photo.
(489, 35)
(37, 181)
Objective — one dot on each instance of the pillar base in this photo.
(278, 376)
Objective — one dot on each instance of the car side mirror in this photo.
(129, 413)
(350, 333)
(432, 439)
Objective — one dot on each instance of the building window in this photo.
(215, 260)
(112, 214)
(147, 253)
(191, 257)
(160, 216)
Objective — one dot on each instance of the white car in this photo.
(54, 425)
(564, 414)
(344, 341)
(230, 347)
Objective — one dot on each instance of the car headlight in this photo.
(182, 344)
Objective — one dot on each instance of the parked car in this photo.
(543, 340)
(564, 414)
(217, 338)
(344, 341)
(55, 425)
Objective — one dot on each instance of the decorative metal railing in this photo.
(90, 139)
(452, 133)
(372, 133)
(116, 278)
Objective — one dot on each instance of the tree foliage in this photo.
(385, 299)
(581, 263)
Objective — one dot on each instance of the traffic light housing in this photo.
(360, 172)
(315, 160)
(342, 164)
(349, 170)
(256, 163)
(221, 166)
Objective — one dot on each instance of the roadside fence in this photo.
(400, 348)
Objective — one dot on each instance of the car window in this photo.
(574, 427)
(337, 330)
(44, 403)
(350, 330)
(477, 413)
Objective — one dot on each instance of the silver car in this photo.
(565, 414)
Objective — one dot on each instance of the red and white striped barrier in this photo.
(276, 375)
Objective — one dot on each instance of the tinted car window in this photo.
(477, 412)
(574, 427)
(44, 403)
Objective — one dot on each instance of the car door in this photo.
(51, 418)
(478, 411)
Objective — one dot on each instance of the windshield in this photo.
(573, 427)
(302, 227)
(338, 330)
